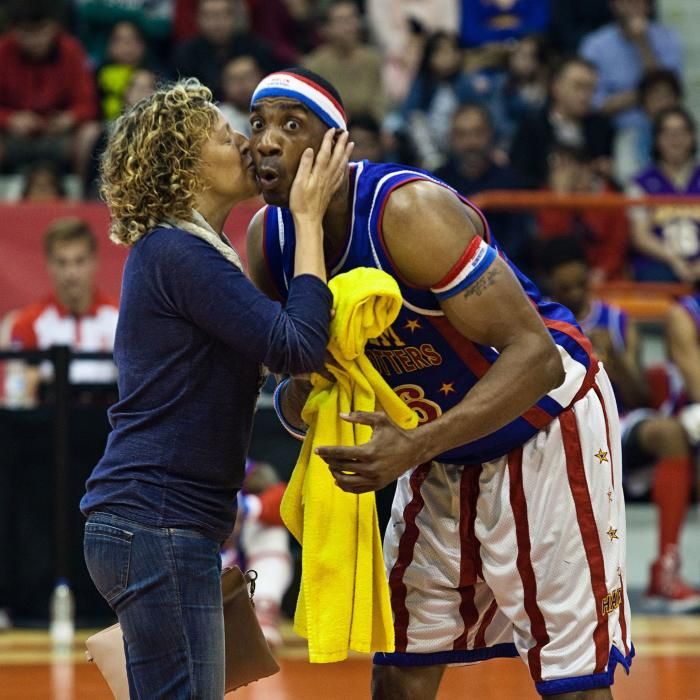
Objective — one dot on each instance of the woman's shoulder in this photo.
(170, 244)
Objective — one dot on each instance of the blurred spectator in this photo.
(568, 118)
(75, 314)
(399, 28)
(352, 66)
(42, 183)
(490, 21)
(602, 233)
(260, 541)
(287, 26)
(240, 78)
(623, 51)
(366, 134)
(96, 18)
(439, 88)
(142, 83)
(471, 169)
(666, 239)
(221, 37)
(655, 448)
(126, 51)
(660, 89)
(571, 20)
(518, 91)
(47, 94)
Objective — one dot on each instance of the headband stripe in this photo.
(305, 91)
(318, 87)
(292, 95)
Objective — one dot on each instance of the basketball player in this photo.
(507, 534)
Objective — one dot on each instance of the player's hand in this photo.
(318, 179)
(60, 123)
(383, 459)
(24, 123)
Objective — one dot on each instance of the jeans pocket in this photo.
(107, 550)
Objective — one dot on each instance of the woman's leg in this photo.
(164, 585)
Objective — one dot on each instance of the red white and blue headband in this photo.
(306, 91)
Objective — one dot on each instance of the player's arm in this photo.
(684, 349)
(492, 310)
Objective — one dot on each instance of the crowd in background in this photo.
(555, 95)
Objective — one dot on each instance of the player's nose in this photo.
(267, 145)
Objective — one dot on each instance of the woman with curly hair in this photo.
(192, 338)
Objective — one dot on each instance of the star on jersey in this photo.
(413, 325)
(601, 456)
(447, 388)
(612, 533)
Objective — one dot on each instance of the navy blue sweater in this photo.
(192, 333)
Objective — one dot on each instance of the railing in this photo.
(61, 357)
(644, 301)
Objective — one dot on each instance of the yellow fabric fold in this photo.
(344, 599)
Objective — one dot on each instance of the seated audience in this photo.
(623, 51)
(47, 94)
(498, 21)
(602, 233)
(367, 136)
(659, 90)
(518, 91)
(74, 314)
(126, 51)
(439, 88)
(572, 20)
(399, 29)
(95, 20)
(568, 118)
(286, 25)
(43, 183)
(471, 168)
(260, 541)
(351, 65)
(142, 83)
(656, 451)
(666, 239)
(221, 37)
(238, 82)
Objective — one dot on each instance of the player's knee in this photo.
(405, 683)
(664, 437)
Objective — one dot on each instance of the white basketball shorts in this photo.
(524, 555)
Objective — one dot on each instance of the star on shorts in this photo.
(601, 456)
(612, 533)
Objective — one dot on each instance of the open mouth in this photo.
(268, 177)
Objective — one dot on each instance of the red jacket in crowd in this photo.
(62, 82)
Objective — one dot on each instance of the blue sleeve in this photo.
(197, 282)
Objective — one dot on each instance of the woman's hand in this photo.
(317, 180)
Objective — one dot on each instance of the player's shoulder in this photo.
(27, 315)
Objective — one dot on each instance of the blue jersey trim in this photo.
(591, 682)
(455, 656)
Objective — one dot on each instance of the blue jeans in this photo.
(165, 586)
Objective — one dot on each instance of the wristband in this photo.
(295, 432)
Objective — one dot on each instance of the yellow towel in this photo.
(344, 598)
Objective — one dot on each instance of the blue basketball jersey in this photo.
(427, 362)
(608, 318)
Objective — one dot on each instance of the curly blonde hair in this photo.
(150, 168)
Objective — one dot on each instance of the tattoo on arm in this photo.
(488, 279)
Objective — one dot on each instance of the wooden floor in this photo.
(667, 667)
